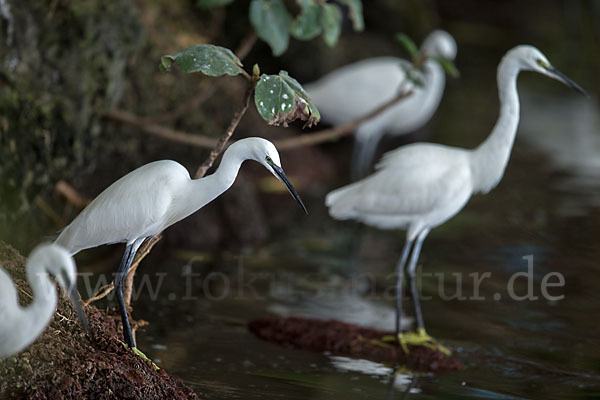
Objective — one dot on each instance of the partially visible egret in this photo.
(353, 90)
(420, 186)
(153, 197)
(21, 326)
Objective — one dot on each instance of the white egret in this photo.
(153, 197)
(353, 90)
(21, 326)
(420, 186)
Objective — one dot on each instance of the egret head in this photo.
(57, 262)
(440, 44)
(264, 152)
(531, 59)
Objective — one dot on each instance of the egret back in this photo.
(418, 184)
(133, 207)
(355, 89)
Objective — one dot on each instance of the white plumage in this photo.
(420, 186)
(21, 326)
(353, 90)
(155, 196)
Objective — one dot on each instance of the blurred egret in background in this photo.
(353, 90)
(21, 326)
(420, 186)
(153, 197)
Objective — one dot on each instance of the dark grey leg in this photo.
(126, 261)
(410, 273)
(399, 279)
(362, 156)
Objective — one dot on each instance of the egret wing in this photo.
(411, 181)
(130, 208)
(356, 89)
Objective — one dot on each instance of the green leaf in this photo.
(271, 21)
(280, 99)
(212, 3)
(356, 13)
(307, 25)
(448, 66)
(408, 44)
(331, 20)
(206, 58)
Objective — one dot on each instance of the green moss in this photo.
(70, 68)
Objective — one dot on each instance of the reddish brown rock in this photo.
(340, 338)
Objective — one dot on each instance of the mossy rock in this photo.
(66, 363)
(62, 64)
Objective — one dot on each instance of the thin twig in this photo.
(227, 135)
(336, 132)
(100, 294)
(246, 45)
(139, 256)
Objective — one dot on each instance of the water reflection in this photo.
(397, 381)
(337, 302)
(567, 130)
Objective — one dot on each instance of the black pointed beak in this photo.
(566, 80)
(279, 171)
(79, 308)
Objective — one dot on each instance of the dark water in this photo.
(545, 208)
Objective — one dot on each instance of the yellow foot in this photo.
(374, 342)
(419, 338)
(138, 353)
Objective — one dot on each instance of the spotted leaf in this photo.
(280, 99)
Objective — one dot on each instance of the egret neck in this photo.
(44, 298)
(489, 160)
(202, 191)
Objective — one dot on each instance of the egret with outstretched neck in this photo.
(21, 326)
(153, 197)
(353, 90)
(420, 186)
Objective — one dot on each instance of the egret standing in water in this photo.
(353, 90)
(153, 197)
(21, 326)
(420, 186)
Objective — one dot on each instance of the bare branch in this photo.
(139, 256)
(71, 195)
(336, 132)
(205, 91)
(147, 126)
(100, 294)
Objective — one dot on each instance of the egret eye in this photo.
(268, 159)
(542, 63)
